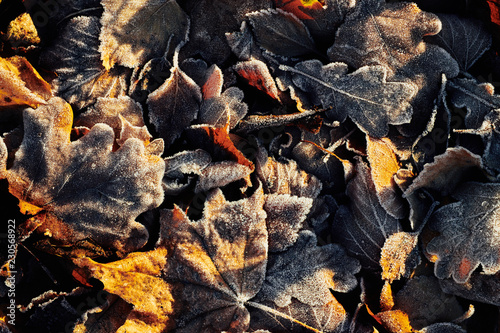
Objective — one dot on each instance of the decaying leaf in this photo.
(82, 189)
(384, 165)
(20, 83)
(468, 232)
(364, 95)
(137, 280)
(76, 59)
(22, 31)
(364, 226)
(134, 32)
(281, 33)
(174, 105)
(465, 39)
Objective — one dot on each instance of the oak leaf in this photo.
(134, 32)
(364, 95)
(468, 232)
(82, 189)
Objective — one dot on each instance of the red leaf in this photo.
(299, 7)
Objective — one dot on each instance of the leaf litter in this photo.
(261, 166)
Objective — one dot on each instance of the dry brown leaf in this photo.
(399, 256)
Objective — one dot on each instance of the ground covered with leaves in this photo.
(249, 166)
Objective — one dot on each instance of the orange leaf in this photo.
(299, 7)
(20, 83)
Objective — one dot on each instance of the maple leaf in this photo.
(221, 261)
(469, 232)
(74, 56)
(364, 225)
(135, 31)
(365, 95)
(82, 189)
(20, 83)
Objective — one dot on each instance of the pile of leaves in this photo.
(244, 166)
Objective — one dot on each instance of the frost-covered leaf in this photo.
(464, 38)
(224, 109)
(22, 32)
(469, 232)
(174, 105)
(20, 83)
(364, 95)
(383, 34)
(399, 256)
(134, 32)
(82, 189)
(243, 43)
(446, 172)
(220, 261)
(479, 288)
(257, 74)
(478, 98)
(109, 111)
(425, 303)
(211, 20)
(76, 59)
(443, 328)
(281, 33)
(213, 84)
(364, 226)
(384, 165)
(137, 280)
(308, 272)
(181, 165)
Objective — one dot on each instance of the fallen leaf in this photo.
(399, 256)
(225, 109)
(111, 111)
(364, 226)
(20, 83)
(134, 32)
(479, 288)
(281, 33)
(468, 232)
(257, 74)
(174, 105)
(299, 7)
(213, 84)
(137, 280)
(22, 32)
(76, 59)
(425, 303)
(464, 38)
(364, 95)
(84, 190)
(384, 165)
(478, 98)
(446, 172)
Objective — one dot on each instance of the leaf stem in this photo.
(280, 314)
